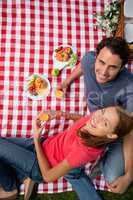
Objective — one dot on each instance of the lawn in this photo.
(72, 196)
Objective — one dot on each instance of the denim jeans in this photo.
(82, 184)
(111, 165)
(8, 178)
(17, 154)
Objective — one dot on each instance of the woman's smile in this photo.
(102, 122)
(93, 122)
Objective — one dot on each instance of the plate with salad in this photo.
(64, 56)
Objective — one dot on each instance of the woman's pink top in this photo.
(67, 145)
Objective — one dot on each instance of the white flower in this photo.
(108, 21)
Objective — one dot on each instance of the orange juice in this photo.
(59, 94)
(44, 117)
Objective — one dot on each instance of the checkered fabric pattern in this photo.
(29, 32)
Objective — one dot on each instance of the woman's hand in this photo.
(37, 129)
(49, 115)
(42, 118)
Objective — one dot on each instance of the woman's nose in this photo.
(98, 119)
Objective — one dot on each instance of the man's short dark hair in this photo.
(117, 46)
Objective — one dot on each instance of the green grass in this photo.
(72, 196)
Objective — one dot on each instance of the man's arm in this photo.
(76, 73)
(128, 155)
(131, 113)
(121, 184)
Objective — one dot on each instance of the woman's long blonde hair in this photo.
(124, 126)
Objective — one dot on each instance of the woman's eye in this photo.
(103, 111)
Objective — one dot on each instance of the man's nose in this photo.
(104, 70)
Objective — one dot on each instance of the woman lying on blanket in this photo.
(55, 156)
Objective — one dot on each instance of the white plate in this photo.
(58, 64)
(129, 32)
(36, 97)
(128, 8)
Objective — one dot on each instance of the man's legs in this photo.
(112, 164)
(82, 184)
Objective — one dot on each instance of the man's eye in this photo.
(105, 123)
(114, 67)
(102, 62)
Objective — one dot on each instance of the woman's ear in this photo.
(112, 136)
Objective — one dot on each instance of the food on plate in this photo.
(55, 72)
(63, 54)
(37, 85)
(73, 59)
(59, 94)
(44, 117)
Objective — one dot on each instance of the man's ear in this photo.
(122, 67)
(112, 136)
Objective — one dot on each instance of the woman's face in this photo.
(102, 122)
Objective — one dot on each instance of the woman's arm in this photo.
(57, 114)
(49, 115)
(49, 173)
(71, 116)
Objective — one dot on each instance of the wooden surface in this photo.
(120, 29)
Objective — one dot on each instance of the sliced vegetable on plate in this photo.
(64, 56)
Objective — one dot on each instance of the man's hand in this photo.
(64, 87)
(76, 73)
(120, 185)
(131, 113)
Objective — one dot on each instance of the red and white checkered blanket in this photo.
(29, 32)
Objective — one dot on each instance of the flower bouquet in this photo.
(108, 20)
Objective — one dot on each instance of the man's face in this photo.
(107, 66)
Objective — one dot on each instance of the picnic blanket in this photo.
(29, 33)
